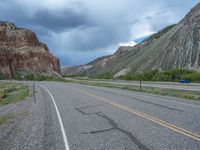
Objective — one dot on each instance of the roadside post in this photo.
(34, 91)
(140, 85)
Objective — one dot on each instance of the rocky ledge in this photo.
(21, 53)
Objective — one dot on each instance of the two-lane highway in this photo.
(153, 84)
(103, 118)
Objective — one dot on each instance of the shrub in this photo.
(2, 94)
(1, 77)
(162, 76)
(193, 77)
(131, 77)
(175, 74)
(29, 77)
(106, 75)
(17, 77)
(145, 76)
(43, 78)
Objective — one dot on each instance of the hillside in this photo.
(176, 46)
(22, 54)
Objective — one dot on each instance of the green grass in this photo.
(12, 92)
(4, 119)
(191, 95)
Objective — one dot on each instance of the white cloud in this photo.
(131, 43)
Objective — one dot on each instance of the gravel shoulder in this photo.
(30, 125)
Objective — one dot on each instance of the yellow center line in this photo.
(148, 117)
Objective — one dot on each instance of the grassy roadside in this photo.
(133, 81)
(12, 92)
(192, 95)
(4, 119)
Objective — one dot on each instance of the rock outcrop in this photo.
(21, 53)
(176, 46)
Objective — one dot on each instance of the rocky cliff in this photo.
(176, 46)
(21, 53)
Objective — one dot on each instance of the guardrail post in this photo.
(34, 92)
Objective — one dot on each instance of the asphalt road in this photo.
(98, 118)
(165, 85)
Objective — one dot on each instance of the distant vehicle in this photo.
(184, 81)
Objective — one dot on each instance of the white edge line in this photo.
(59, 118)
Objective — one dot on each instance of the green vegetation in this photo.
(173, 75)
(1, 77)
(31, 77)
(105, 75)
(169, 75)
(12, 92)
(4, 119)
(73, 76)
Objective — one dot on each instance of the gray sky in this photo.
(78, 31)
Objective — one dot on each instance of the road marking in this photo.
(59, 118)
(143, 115)
(169, 101)
(163, 100)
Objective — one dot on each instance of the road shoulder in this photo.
(31, 126)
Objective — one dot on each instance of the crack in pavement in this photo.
(91, 106)
(114, 126)
(99, 131)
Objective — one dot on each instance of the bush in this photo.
(1, 77)
(42, 78)
(17, 77)
(106, 75)
(31, 77)
(169, 75)
(193, 77)
(162, 76)
(129, 77)
(177, 74)
(2, 94)
(145, 76)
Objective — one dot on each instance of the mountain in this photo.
(21, 53)
(176, 46)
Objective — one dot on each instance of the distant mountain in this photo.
(176, 46)
(21, 53)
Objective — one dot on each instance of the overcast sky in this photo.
(78, 31)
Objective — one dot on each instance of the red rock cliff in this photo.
(22, 53)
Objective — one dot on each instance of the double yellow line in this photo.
(148, 117)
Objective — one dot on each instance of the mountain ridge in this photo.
(176, 46)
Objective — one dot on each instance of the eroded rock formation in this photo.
(21, 53)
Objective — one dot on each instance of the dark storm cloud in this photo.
(44, 19)
(59, 21)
